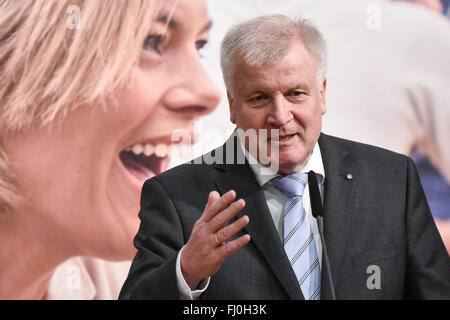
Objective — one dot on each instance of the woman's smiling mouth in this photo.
(142, 161)
(143, 165)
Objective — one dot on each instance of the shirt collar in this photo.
(264, 175)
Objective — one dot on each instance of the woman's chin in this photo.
(120, 207)
(123, 191)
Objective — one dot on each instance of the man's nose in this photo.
(279, 111)
(193, 94)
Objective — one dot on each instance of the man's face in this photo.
(284, 96)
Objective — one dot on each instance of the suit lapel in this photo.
(338, 204)
(261, 228)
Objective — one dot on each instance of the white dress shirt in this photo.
(276, 200)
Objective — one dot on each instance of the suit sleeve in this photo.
(158, 241)
(428, 266)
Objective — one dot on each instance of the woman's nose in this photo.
(194, 93)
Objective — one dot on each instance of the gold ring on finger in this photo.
(217, 240)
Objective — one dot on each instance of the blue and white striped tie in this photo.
(298, 238)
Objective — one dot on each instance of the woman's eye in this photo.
(153, 43)
(200, 44)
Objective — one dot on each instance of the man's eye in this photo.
(257, 99)
(153, 42)
(297, 93)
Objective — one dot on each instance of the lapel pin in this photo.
(349, 176)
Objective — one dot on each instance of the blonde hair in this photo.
(56, 55)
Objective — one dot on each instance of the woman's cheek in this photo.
(138, 100)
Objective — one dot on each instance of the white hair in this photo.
(267, 39)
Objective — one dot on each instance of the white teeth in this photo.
(148, 149)
(286, 137)
(137, 148)
(161, 150)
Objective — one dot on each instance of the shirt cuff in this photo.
(184, 290)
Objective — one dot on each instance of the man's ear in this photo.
(230, 104)
(323, 99)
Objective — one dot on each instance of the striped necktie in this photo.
(298, 239)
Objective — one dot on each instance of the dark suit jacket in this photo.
(379, 218)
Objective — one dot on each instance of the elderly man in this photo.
(381, 239)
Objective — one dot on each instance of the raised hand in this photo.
(208, 246)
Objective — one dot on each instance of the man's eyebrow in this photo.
(257, 91)
(262, 91)
(174, 24)
(303, 86)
